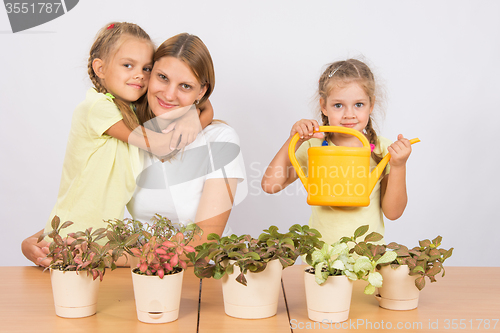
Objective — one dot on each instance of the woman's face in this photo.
(172, 86)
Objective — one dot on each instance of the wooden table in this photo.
(467, 299)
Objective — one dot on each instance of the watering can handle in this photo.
(336, 129)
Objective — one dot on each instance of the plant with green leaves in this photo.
(425, 260)
(218, 257)
(358, 263)
(79, 251)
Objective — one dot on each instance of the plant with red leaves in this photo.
(160, 256)
(79, 251)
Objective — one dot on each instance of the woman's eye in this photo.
(185, 86)
(163, 77)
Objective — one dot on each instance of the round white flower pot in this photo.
(259, 298)
(330, 301)
(75, 295)
(398, 291)
(157, 300)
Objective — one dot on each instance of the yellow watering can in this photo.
(339, 176)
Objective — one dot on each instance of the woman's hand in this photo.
(34, 251)
(185, 129)
(306, 128)
(400, 152)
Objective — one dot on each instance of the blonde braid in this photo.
(372, 137)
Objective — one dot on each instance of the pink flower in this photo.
(372, 146)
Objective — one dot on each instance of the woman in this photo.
(197, 184)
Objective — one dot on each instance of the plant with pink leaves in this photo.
(159, 256)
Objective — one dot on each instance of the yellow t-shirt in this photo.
(337, 222)
(99, 171)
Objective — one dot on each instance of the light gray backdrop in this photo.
(438, 62)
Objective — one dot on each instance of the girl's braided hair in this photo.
(347, 71)
(108, 40)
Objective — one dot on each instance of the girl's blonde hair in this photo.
(344, 72)
(193, 52)
(108, 40)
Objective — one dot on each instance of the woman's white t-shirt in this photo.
(173, 188)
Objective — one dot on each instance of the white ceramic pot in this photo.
(330, 301)
(157, 300)
(398, 290)
(259, 298)
(133, 261)
(75, 295)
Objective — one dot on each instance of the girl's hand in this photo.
(400, 151)
(186, 129)
(306, 128)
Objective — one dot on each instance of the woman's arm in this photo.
(215, 206)
(393, 187)
(280, 172)
(34, 251)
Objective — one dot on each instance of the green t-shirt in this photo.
(99, 171)
(336, 222)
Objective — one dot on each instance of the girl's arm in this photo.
(206, 114)
(280, 172)
(215, 206)
(393, 187)
(185, 129)
(156, 143)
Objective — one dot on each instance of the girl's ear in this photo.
(98, 67)
(322, 104)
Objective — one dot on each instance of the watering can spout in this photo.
(375, 174)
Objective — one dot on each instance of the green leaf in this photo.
(318, 276)
(360, 231)
(373, 237)
(418, 269)
(66, 224)
(251, 255)
(213, 236)
(363, 264)
(424, 243)
(55, 222)
(420, 282)
(437, 241)
(241, 279)
(235, 255)
(375, 279)
(448, 254)
(369, 289)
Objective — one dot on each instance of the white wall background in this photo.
(438, 61)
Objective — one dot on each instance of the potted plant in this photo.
(250, 268)
(334, 268)
(405, 276)
(75, 293)
(126, 234)
(157, 279)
